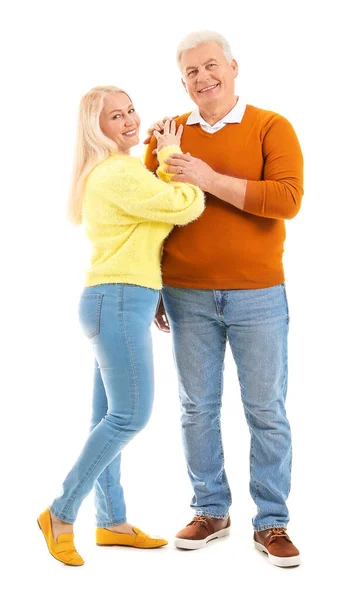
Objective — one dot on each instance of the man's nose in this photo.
(203, 75)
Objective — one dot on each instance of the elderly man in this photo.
(224, 281)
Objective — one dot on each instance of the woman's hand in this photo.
(156, 126)
(169, 137)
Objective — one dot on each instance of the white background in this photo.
(299, 58)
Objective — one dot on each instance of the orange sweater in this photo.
(229, 248)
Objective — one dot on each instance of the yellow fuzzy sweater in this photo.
(128, 213)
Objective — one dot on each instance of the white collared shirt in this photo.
(234, 116)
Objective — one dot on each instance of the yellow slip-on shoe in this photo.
(63, 549)
(105, 537)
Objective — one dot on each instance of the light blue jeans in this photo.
(117, 320)
(255, 322)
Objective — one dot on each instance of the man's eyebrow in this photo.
(203, 64)
(119, 109)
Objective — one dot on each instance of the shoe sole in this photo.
(279, 561)
(196, 544)
(51, 554)
(131, 546)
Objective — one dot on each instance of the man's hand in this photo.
(157, 126)
(189, 169)
(160, 319)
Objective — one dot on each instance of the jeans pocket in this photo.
(90, 314)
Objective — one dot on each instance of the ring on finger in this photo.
(181, 170)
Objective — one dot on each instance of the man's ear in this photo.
(184, 84)
(235, 67)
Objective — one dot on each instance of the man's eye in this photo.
(191, 73)
(212, 65)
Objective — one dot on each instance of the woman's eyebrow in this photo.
(119, 109)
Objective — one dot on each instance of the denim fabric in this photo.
(255, 323)
(117, 319)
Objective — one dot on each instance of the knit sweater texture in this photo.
(230, 248)
(128, 212)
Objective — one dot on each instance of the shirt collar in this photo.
(234, 116)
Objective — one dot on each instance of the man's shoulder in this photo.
(262, 114)
(267, 121)
(181, 119)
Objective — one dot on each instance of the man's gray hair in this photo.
(192, 40)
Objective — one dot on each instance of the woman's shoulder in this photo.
(114, 166)
(117, 161)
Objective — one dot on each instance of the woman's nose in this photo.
(130, 121)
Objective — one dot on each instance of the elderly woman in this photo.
(127, 213)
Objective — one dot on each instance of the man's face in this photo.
(207, 76)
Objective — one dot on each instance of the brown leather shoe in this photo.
(279, 547)
(200, 531)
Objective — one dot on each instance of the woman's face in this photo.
(120, 122)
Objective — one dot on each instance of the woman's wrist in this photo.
(165, 152)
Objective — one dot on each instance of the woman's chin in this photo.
(129, 143)
(134, 140)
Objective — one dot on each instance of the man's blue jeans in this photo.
(255, 322)
(117, 320)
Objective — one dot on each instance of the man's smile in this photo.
(208, 89)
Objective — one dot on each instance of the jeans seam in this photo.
(136, 387)
(286, 302)
(99, 308)
(108, 496)
(284, 387)
(226, 486)
(252, 458)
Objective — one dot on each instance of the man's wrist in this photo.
(211, 181)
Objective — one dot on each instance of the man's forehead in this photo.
(201, 53)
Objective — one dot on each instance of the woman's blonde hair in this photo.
(91, 146)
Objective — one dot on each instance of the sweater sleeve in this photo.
(139, 193)
(279, 194)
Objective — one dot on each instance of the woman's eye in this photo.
(116, 116)
(132, 110)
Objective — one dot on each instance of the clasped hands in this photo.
(184, 167)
